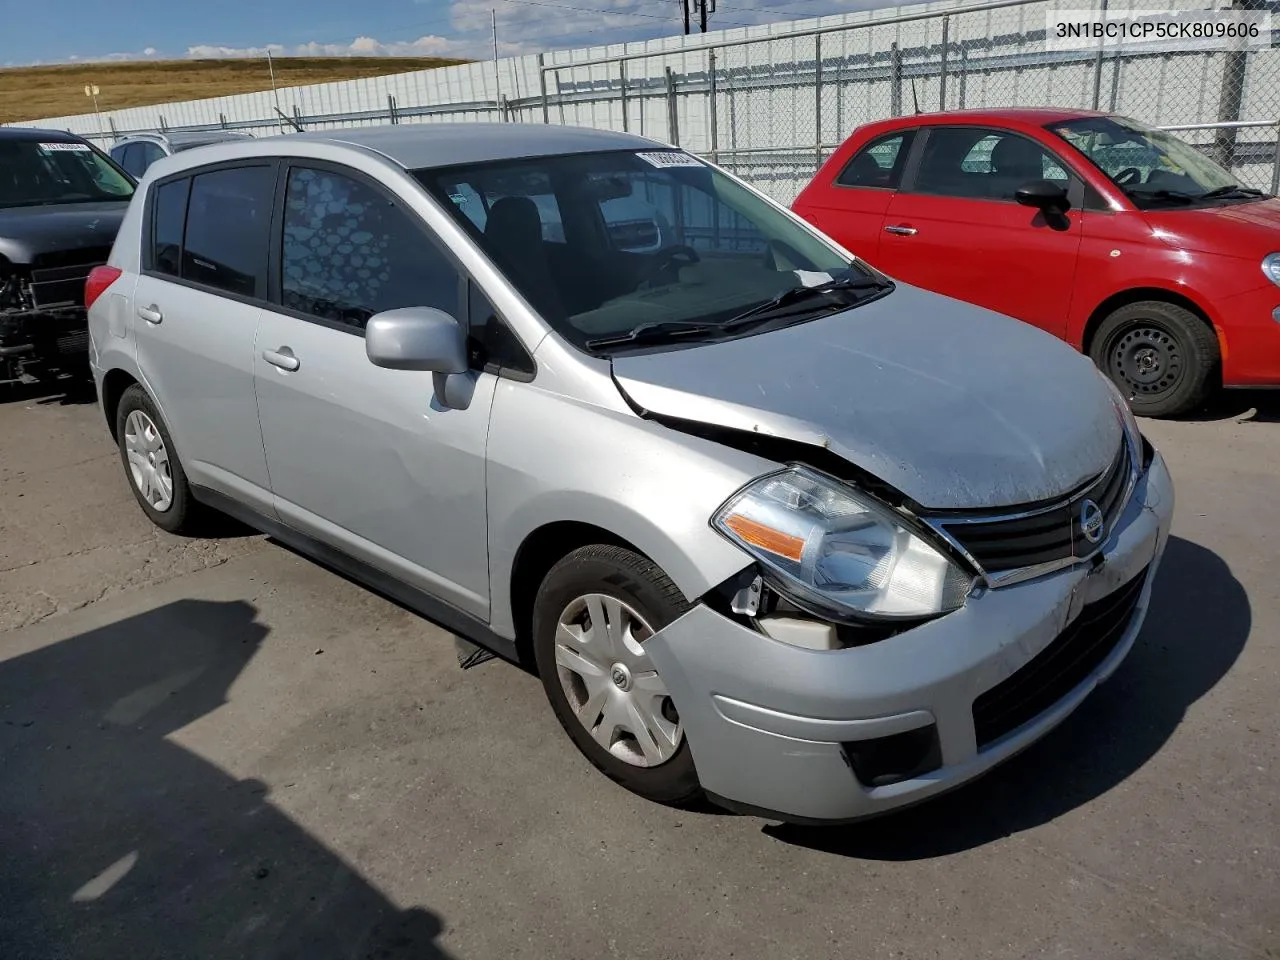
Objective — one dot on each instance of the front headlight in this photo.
(1271, 267)
(837, 552)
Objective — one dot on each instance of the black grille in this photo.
(1047, 535)
(1060, 667)
(60, 286)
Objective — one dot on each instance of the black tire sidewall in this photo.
(631, 578)
(178, 515)
(1195, 340)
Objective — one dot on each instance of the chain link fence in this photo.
(771, 103)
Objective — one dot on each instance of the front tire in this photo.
(151, 465)
(594, 610)
(1163, 357)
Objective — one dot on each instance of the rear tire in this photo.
(1163, 357)
(151, 464)
(593, 611)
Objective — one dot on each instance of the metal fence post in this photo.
(164, 127)
(942, 68)
(712, 113)
(391, 109)
(111, 125)
(542, 81)
(964, 73)
(817, 100)
(1097, 62)
(622, 92)
(673, 117)
(895, 80)
(1275, 164)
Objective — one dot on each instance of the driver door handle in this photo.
(282, 358)
(151, 314)
(902, 230)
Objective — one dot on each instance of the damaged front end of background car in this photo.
(43, 332)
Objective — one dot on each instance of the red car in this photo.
(1123, 240)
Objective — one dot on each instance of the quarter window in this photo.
(228, 218)
(349, 252)
(982, 163)
(879, 164)
(170, 206)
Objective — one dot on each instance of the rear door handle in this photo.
(151, 314)
(901, 231)
(282, 358)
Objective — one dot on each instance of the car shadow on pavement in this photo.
(119, 842)
(1196, 627)
(65, 391)
(1245, 406)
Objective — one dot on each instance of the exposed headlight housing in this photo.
(1271, 267)
(1127, 420)
(837, 552)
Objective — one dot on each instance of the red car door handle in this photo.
(901, 230)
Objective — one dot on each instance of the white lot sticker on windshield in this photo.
(670, 158)
(73, 147)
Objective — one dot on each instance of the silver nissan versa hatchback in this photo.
(771, 527)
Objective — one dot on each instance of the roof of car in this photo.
(36, 133)
(1038, 116)
(444, 144)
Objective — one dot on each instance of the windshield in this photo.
(1151, 166)
(35, 173)
(642, 246)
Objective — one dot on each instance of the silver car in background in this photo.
(138, 151)
(771, 528)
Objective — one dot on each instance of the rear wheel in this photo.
(592, 616)
(1162, 357)
(154, 471)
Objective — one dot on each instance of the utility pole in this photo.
(702, 14)
(686, 17)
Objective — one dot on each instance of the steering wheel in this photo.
(676, 255)
(1127, 176)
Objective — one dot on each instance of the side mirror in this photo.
(1043, 194)
(416, 338)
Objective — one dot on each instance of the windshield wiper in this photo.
(656, 331)
(1177, 196)
(795, 295)
(1234, 190)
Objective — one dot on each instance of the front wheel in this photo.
(593, 613)
(1163, 357)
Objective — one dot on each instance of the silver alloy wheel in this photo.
(148, 461)
(610, 683)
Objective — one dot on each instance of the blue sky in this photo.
(58, 31)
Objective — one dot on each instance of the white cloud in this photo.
(149, 52)
(428, 46)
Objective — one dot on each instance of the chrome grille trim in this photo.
(1128, 459)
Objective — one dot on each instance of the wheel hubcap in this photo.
(1147, 360)
(148, 461)
(611, 685)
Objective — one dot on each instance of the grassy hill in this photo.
(29, 93)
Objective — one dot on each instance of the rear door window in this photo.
(226, 239)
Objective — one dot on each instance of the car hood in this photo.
(954, 406)
(1250, 230)
(29, 232)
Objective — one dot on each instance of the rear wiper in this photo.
(1234, 190)
(796, 295)
(655, 332)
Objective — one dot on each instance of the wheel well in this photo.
(541, 551)
(1137, 295)
(114, 384)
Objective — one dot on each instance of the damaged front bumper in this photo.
(818, 736)
(39, 342)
